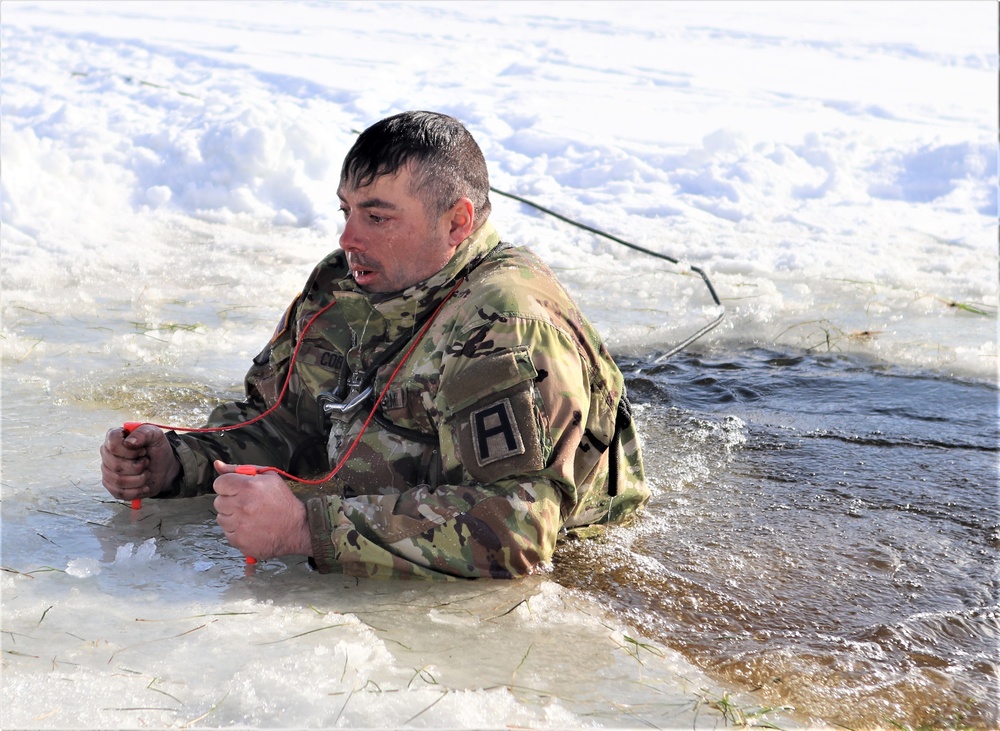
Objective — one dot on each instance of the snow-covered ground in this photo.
(832, 166)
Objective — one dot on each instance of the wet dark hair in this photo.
(447, 162)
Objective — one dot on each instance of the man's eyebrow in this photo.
(377, 203)
(373, 203)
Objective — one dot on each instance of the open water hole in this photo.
(824, 532)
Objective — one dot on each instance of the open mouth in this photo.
(363, 277)
(364, 272)
(360, 269)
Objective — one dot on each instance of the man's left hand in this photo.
(259, 514)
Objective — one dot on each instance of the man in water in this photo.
(469, 409)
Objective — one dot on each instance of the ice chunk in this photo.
(83, 567)
(130, 554)
(147, 551)
(124, 553)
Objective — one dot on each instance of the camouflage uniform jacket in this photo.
(498, 431)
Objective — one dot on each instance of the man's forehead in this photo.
(379, 192)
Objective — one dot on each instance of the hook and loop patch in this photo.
(493, 416)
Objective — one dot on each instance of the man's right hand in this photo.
(138, 465)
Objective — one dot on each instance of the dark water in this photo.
(824, 534)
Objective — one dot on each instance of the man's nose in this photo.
(349, 239)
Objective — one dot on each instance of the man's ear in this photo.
(461, 218)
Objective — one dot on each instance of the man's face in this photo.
(390, 240)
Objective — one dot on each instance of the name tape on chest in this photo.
(394, 399)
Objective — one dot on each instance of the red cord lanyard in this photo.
(254, 470)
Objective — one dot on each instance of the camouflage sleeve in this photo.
(290, 437)
(500, 531)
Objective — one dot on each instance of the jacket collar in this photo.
(395, 314)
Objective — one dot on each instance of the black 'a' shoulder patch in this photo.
(495, 435)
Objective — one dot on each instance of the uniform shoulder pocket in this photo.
(266, 375)
(485, 376)
(492, 415)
